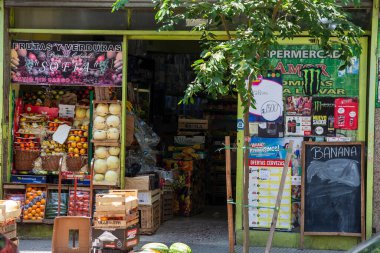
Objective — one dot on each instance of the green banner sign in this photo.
(306, 70)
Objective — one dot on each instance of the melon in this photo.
(100, 166)
(113, 121)
(100, 135)
(114, 151)
(179, 248)
(99, 177)
(99, 123)
(101, 152)
(113, 162)
(113, 134)
(80, 113)
(111, 177)
(102, 109)
(158, 247)
(115, 109)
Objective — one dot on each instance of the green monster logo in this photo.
(311, 80)
(317, 106)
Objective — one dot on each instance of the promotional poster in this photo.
(264, 182)
(323, 116)
(267, 93)
(298, 105)
(346, 113)
(297, 126)
(266, 129)
(66, 63)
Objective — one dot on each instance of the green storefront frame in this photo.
(281, 239)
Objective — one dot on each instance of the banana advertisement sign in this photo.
(308, 71)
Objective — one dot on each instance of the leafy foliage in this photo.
(252, 28)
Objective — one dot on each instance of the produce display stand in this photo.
(74, 176)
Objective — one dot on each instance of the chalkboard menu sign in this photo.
(332, 189)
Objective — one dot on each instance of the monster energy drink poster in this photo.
(323, 116)
(308, 71)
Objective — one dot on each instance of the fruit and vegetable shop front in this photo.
(91, 105)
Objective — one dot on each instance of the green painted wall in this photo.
(290, 239)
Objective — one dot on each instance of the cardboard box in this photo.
(64, 228)
(149, 197)
(28, 179)
(189, 140)
(52, 112)
(66, 111)
(141, 183)
(126, 238)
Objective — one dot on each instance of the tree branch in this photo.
(276, 9)
(225, 26)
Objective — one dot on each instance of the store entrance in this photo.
(179, 143)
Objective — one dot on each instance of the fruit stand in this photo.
(67, 111)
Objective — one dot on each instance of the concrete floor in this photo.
(204, 233)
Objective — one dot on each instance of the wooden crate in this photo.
(9, 216)
(8, 227)
(149, 197)
(127, 220)
(11, 234)
(150, 218)
(192, 124)
(115, 201)
(167, 205)
(102, 93)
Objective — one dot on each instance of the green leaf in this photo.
(224, 66)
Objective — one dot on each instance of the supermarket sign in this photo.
(66, 63)
(307, 70)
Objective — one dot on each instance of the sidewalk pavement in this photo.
(44, 246)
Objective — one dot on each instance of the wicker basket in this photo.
(51, 162)
(75, 163)
(24, 159)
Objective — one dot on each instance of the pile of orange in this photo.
(35, 200)
(77, 143)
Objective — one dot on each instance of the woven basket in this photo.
(51, 162)
(24, 159)
(75, 163)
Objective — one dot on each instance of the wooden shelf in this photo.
(106, 101)
(14, 186)
(55, 187)
(106, 143)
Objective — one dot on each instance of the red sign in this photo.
(346, 113)
(267, 162)
(66, 63)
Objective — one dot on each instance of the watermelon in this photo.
(179, 248)
(157, 247)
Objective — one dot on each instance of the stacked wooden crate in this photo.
(167, 203)
(117, 214)
(149, 202)
(150, 211)
(9, 212)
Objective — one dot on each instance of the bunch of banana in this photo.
(129, 106)
(188, 153)
(195, 146)
(14, 60)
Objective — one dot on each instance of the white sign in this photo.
(268, 101)
(61, 134)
